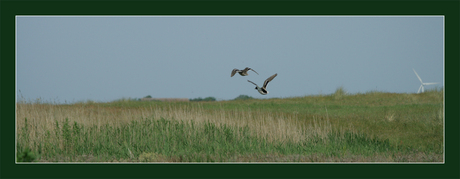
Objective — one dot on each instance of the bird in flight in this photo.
(263, 90)
(242, 72)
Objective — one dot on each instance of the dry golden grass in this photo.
(270, 126)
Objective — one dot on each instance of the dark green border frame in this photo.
(448, 8)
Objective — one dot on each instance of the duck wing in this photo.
(234, 72)
(253, 70)
(252, 83)
(269, 79)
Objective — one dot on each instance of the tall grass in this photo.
(339, 93)
(375, 127)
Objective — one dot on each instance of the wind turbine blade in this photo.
(429, 83)
(417, 76)
(419, 88)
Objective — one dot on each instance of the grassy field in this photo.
(340, 127)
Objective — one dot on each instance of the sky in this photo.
(67, 59)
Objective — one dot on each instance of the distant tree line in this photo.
(210, 98)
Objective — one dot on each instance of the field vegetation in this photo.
(339, 127)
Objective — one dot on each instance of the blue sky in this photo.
(104, 58)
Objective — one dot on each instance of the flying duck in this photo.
(263, 90)
(242, 72)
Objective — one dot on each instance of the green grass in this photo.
(189, 142)
(341, 127)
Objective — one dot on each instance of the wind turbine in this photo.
(423, 84)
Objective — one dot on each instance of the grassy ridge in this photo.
(375, 127)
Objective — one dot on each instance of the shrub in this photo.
(243, 97)
(26, 156)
